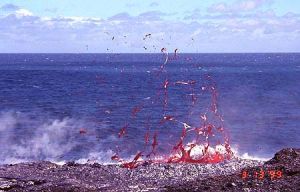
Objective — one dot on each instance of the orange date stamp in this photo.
(261, 174)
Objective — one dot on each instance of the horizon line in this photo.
(155, 53)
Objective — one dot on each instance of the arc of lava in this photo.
(182, 152)
(164, 51)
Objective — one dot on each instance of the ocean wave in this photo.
(31, 137)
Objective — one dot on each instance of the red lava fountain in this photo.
(206, 142)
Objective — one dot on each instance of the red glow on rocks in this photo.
(134, 163)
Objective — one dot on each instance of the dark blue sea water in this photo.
(46, 99)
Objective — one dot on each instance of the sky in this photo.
(122, 26)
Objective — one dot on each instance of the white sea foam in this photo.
(48, 140)
(247, 156)
(198, 151)
(43, 140)
(52, 139)
(103, 157)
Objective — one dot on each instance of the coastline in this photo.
(226, 176)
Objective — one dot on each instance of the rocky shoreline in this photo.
(281, 173)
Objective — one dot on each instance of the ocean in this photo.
(71, 107)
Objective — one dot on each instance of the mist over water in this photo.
(46, 99)
(25, 137)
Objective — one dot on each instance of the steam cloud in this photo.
(25, 138)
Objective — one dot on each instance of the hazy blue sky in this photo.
(121, 25)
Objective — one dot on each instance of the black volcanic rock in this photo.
(286, 161)
(227, 176)
(285, 156)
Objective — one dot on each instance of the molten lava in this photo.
(205, 142)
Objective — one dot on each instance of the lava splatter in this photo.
(203, 142)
